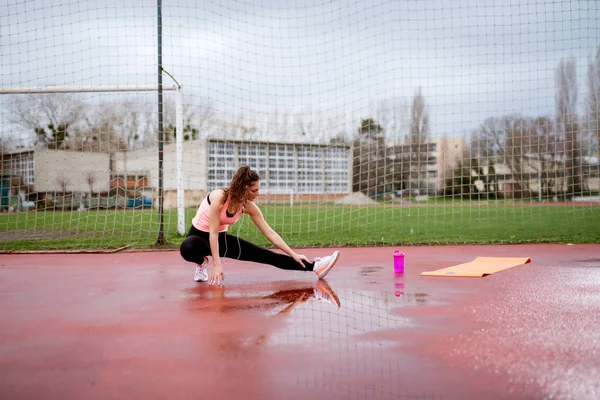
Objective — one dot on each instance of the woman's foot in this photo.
(324, 265)
(324, 292)
(201, 274)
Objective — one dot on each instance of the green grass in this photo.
(316, 225)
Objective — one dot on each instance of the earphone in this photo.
(241, 221)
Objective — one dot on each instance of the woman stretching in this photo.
(223, 207)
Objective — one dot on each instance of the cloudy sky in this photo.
(331, 63)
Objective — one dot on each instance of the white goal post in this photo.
(128, 88)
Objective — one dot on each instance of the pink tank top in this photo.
(201, 220)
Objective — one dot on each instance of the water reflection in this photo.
(398, 289)
(303, 321)
(230, 299)
(408, 298)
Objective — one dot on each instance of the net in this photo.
(352, 352)
(370, 123)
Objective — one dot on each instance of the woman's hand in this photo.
(299, 258)
(217, 276)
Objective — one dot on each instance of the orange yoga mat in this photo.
(479, 267)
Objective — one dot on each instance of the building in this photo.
(548, 176)
(42, 174)
(66, 177)
(304, 171)
(58, 170)
(425, 167)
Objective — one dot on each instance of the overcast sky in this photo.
(326, 60)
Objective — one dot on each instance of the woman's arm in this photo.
(257, 217)
(217, 199)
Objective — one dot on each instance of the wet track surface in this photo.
(135, 325)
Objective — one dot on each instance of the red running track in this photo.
(136, 326)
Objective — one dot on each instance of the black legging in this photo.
(196, 246)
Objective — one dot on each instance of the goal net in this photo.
(370, 123)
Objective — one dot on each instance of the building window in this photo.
(221, 164)
(283, 167)
(336, 170)
(20, 164)
(282, 170)
(254, 155)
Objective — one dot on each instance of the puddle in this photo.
(349, 325)
(585, 263)
(238, 298)
(313, 311)
(370, 270)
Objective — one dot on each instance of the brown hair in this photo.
(238, 187)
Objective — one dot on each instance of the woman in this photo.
(223, 207)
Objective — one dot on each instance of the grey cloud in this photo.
(472, 59)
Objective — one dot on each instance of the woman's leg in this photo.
(231, 246)
(195, 247)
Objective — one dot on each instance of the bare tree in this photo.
(544, 145)
(125, 118)
(326, 126)
(488, 140)
(419, 120)
(392, 114)
(593, 104)
(303, 122)
(516, 149)
(567, 123)
(298, 123)
(523, 144)
(339, 138)
(399, 124)
(369, 158)
(241, 129)
(52, 118)
(149, 126)
(100, 137)
(336, 130)
(418, 139)
(193, 118)
(201, 115)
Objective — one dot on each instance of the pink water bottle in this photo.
(398, 262)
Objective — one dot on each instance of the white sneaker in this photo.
(324, 265)
(324, 292)
(201, 274)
